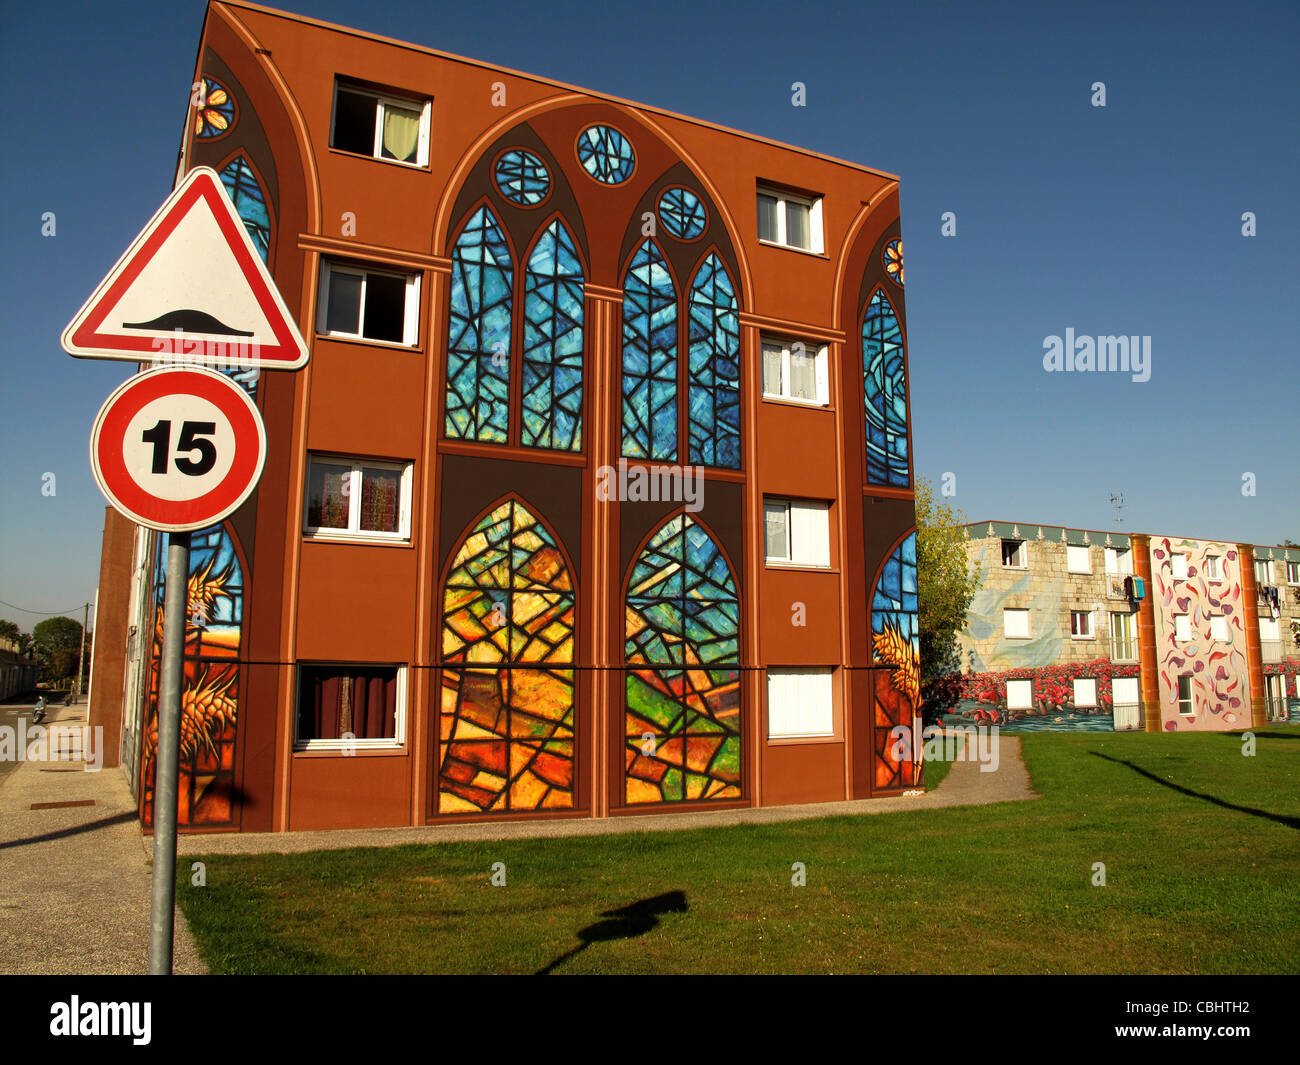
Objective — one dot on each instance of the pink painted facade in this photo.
(1200, 625)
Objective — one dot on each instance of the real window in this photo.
(1219, 628)
(1179, 566)
(1081, 624)
(795, 370)
(797, 532)
(1015, 624)
(1085, 691)
(1013, 554)
(1077, 559)
(356, 301)
(1293, 573)
(1182, 628)
(1020, 694)
(800, 703)
(791, 219)
(357, 498)
(1119, 561)
(350, 706)
(1213, 568)
(1263, 571)
(1185, 705)
(384, 127)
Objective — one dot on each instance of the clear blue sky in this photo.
(1122, 220)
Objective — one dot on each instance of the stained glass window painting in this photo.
(896, 642)
(507, 720)
(522, 178)
(885, 387)
(649, 357)
(683, 723)
(714, 368)
(894, 261)
(606, 154)
(553, 343)
(478, 342)
(250, 202)
(216, 114)
(682, 214)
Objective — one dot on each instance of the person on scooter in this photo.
(38, 714)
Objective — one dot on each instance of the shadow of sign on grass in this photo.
(629, 922)
(1281, 819)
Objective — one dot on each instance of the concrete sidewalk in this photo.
(965, 785)
(74, 880)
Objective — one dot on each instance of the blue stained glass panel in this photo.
(895, 601)
(522, 178)
(682, 214)
(478, 338)
(714, 387)
(552, 367)
(885, 388)
(649, 357)
(606, 154)
(246, 194)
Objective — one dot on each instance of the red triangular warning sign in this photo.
(190, 288)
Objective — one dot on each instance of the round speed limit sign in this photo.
(178, 448)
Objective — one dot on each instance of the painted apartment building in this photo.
(1092, 630)
(595, 496)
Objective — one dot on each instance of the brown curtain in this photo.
(373, 698)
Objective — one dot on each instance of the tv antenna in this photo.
(1117, 501)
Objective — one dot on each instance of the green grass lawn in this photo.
(1200, 846)
(935, 771)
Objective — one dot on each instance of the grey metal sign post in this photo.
(168, 756)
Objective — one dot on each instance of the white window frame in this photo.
(1085, 684)
(400, 709)
(1263, 571)
(1191, 695)
(1270, 630)
(1293, 573)
(354, 532)
(410, 103)
(1219, 628)
(1021, 552)
(1178, 565)
(1020, 703)
(1017, 612)
(410, 311)
(1072, 554)
(789, 716)
(1119, 562)
(1090, 634)
(1213, 568)
(803, 551)
(1183, 633)
(782, 197)
(820, 353)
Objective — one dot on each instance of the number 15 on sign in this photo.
(178, 448)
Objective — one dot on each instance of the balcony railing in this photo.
(1123, 649)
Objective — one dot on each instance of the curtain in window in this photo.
(649, 357)
(553, 310)
(401, 133)
(478, 347)
(335, 700)
(683, 723)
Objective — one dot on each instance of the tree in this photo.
(22, 641)
(947, 586)
(57, 645)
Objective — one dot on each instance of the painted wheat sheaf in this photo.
(892, 647)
